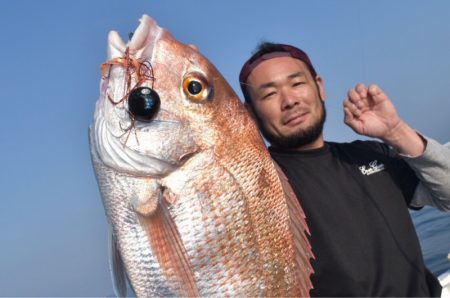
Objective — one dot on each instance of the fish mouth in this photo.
(167, 139)
(153, 149)
(169, 164)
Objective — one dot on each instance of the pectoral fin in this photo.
(169, 250)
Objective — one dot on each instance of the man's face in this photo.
(288, 103)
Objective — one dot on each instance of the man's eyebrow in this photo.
(296, 74)
(266, 85)
(289, 77)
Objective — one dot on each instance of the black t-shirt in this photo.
(355, 197)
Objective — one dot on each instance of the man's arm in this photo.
(433, 169)
(369, 112)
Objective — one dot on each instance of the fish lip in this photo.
(159, 169)
(185, 157)
(174, 163)
(164, 166)
(164, 122)
(113, 153)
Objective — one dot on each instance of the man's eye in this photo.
(297, 84)
(268, 95)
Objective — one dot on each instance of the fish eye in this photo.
(196, 87)
(143, 103)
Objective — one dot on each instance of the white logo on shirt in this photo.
(372, 169)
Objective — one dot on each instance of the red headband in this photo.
(289, 51)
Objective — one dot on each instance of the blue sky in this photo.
(53, 229)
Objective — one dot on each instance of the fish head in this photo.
(158, 103)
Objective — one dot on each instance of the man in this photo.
(355, 195)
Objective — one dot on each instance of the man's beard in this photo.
(299, 138)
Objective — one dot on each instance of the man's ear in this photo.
(320, 87)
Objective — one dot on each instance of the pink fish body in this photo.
(196, 205)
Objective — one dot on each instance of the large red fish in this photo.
(196, 204)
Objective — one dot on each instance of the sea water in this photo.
(433, 229)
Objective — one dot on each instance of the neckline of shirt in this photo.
(310, 152)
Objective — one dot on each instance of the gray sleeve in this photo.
(433, 170)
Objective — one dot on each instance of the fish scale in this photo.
(214, 204)
(132, 238)
(197, 206)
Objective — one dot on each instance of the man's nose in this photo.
(288, 99)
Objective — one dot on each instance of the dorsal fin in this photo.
(303, 251)
(169, 250)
